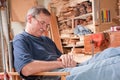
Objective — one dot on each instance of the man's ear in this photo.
(29, 18)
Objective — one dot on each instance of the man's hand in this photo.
(67, 60)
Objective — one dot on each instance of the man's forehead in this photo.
(43, 17)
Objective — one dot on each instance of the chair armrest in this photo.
(53, 73)
(61, 74)
(45, 73)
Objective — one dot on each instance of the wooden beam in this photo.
(55, 31)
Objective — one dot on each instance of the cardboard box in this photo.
(114, 39)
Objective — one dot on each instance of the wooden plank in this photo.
(55, 31)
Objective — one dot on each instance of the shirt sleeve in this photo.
(22, 54)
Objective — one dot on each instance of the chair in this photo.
(12, 75)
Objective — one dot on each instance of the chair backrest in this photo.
(11, 56)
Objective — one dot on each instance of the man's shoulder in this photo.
(20, 36)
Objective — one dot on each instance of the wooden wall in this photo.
(19, 9)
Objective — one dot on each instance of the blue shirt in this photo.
(28, 48)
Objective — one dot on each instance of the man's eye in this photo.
(42, 22)
(47, 25)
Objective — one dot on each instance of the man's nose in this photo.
(44, 27)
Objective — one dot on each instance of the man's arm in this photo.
(40, 66)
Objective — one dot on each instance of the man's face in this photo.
(41, 23)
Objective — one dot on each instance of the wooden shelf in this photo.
(65, 20)
(67, 32)
(118, 17)
(70, 37)
(70, 46)
(78, 17)
(83, 16)
(95, 24)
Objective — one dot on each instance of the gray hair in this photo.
(37, 10)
